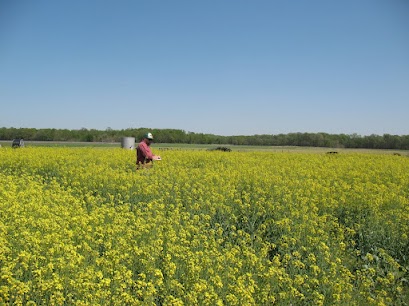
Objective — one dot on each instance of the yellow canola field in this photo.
(80, 226)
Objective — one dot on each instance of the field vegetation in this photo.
(173, 136)
(81, 226)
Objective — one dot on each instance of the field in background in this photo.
(175, 146)
(80, 226)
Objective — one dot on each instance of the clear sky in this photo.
(225, 67)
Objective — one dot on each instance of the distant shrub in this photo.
(224, 149)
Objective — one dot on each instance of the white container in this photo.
(128, 143)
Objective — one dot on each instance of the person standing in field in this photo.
(144, 155)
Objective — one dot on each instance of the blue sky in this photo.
(225, 67)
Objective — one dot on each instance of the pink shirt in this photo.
(143, 153)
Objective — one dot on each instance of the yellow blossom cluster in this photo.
(80, 226)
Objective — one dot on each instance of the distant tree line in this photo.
(386, 141)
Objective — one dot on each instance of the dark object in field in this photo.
(397, 154)
(224, 149)
(17, 143)
(332, 152)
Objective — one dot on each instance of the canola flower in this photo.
(79, 226)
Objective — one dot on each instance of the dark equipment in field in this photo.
(17, 143)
